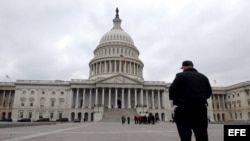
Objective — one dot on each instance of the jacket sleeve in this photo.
(175, 89)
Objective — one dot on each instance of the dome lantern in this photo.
(116, 34)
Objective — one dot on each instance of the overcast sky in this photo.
(55, 39)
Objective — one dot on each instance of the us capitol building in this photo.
(115, 87)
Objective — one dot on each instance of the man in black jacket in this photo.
(189, 92)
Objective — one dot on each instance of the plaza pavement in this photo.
(101, 131)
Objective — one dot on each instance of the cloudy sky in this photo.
(55, 39)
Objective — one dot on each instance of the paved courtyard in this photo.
(101, 131)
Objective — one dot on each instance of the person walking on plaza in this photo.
(189, 92)
(128, 119)
(123, 119)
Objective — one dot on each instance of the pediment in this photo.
(120, 79)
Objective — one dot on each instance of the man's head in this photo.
(187, 64)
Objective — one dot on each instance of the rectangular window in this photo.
(60, 115)
(52, 103)
(52, 115)
(31, 104)
(21, 114)
(30, 115)
(40, 114)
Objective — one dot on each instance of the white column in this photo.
(105, 67)
(167, 101)
(223, 102)
(122, 97)
(125, 67)
(115, 98)
(141, 97)
(83, 99)
(3, 98)
(90, 98)
(164, 99)
(102, 96)
(96, 96)
(129, 99)
(153, 100)
(141, 71)
(115, 67)
(137, 69)
(77, 100)
(109, 106)
(72, 105)
(135, 97)
(90, 70)
(159, 100)
(120, 66)
(130, 68)
(147, 98)
(110, 66)
(9, 100)
(220, 101)
(96, 70)
(134, 69)
(12, 99)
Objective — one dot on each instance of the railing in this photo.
(154, 82)
(42, 81)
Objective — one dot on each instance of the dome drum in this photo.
(116, 52)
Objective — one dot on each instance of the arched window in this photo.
(218, 117)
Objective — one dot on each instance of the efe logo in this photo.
(237, 132)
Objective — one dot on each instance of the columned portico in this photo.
(82, 98)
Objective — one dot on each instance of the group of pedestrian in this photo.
(144, 119)
(124, 119)
(141, 119)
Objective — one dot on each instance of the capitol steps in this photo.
(114, 115)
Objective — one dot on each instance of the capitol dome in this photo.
(116, 54)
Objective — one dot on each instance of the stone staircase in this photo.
(114, 115)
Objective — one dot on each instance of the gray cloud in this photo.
(55, 39)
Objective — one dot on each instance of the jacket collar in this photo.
(191, 69)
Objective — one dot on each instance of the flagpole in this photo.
(8, 78)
